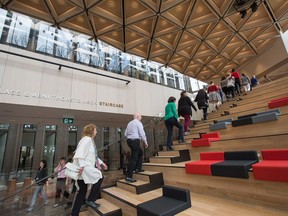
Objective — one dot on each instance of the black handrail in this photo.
(62, 65)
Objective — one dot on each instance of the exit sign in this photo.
(68, 120)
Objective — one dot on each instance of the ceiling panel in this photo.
(199, 38)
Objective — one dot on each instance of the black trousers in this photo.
(80, 198)
(135, 161)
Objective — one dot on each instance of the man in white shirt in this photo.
(134, 133)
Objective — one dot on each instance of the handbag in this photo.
(72, 171)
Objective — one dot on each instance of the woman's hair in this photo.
(183, 94)
(44, 162)
(171, 99)
(88, 130)
(202, 90)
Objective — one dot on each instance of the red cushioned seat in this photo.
(213, 136)
(274, 166)
(202, 166)
(278, 99)
(278, 103)
(200, 142)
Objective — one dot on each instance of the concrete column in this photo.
(12, 151)
(38, 146)
(61, 148)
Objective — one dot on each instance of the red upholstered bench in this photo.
(202, 166)
(273, 167)
(201, 142)
(278, 102)
(213, 136)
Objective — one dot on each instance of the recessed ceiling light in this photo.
(135, 5)
(178, 8)
(164, 22)
(102, 20)
(111, 3)
(80, 19)
(60, 2)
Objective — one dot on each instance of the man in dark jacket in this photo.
(202, 102)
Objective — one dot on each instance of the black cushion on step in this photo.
(232, 168)
(236, 164)
(242, 121)
(247, 116)
(173, 201)
(240, 155)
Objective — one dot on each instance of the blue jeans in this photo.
(39, 189)
(169, 125)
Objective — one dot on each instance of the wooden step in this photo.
(106, 209)
(147, 176)
(126, 200)
(162, 159)
(131, 187)
(260, 193)
(184, 155)
(146, 181)
(169, 153)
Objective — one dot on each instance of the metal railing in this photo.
(62, 65)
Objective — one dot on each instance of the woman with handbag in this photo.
(172, 119)
(184, 110)
(41, 179)
(89, 172)
(201, 99)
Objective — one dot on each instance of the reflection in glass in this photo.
(3, 141)
(19, 30)
(49, 149)
(27, 149)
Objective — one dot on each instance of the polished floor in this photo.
(18, 204)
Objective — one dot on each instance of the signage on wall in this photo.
(68, 120)
(42, 96)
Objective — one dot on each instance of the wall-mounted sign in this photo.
(68, 120)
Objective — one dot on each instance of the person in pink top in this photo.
(61, 180)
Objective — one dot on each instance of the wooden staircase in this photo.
(127, 195)
(170, 157)
(210, 195)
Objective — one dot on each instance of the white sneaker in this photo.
(56, 205)
(46, 202)
(29, 209)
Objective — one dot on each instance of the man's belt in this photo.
(133, 139)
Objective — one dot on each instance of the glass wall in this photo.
(38, 36)
(27, 147)
(3, 140)
(72, 141)
(49, 146)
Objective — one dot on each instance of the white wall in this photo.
(263, 62)
(30, 82)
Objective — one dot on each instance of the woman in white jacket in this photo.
(89, 173)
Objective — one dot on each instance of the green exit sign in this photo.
(68, 120)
